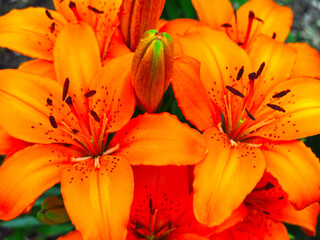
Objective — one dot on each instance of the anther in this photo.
(252, 76)
(73, 7)
(276, 107)
(150, 206)
(274, 35)
(49, 14)
(235, 91)
(240, 73)
(49, 101)
(95, 115)
(259, 19)
(95, 10)
(269, 186)
(90, 93)
(260, 70)
(226, 25)
(281, 94)
(52, 27)
(75, 131)
(53, 122)
(69, 101)
(250, 115)
(169, 225)
(65, 88)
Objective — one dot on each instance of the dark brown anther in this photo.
(69, 101)
(250, 115)
(260, 70)
(95, 10)
(240, 73)
(281, 94)
(274, 35)
(226, 25)
(90, 93)
(65, 88)
(276, 107)
(150, 206)
(95, 115)
(259, 19)
(265, 212)
(49, 101)
(251, 14)
(269, 186)
(240, 43)
(169, 225)
(235, 91)
(252, 76)
(48, 14)
(53, 122)
(75, 131)
(52, 27)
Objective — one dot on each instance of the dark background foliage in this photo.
(306, 28)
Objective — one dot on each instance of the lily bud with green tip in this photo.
(152, 68)
(138, 16)
(52, 211)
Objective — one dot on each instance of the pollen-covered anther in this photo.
(274, 35)
(260, 70)
(95, 10)
(226, 25)
(95, 115)
(259, 19)
(52, 27)
(235, 91)
(53, 122)
(250, 115)
(240, 73)
(281, 94)
(276, 107)
(90, 93)
(49, 14)
(65, 89)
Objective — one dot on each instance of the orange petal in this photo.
(190, 236)
(79, 64)
(39, 67)
(27, 174)
(115, 96)
(25, 108)
(10, 145)
(103, 195)
(169, 143)
(308, 61)
(300, 110)
(275, 231)
(275, 19)
(117, 47)
(213, 12)
(29, 31)
(279, 59)
(170, 198)
(220, 59)
(74, 235)
(102, 16)
(191, 94)
(297, 170)
(224, 178)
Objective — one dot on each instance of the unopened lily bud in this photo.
(138, 16)
(52, 211)
(152, 68)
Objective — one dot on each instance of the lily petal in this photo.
(168, 141)
(115, 96)
(297, 170)
(308, 61)
(83, 62)
(103, 195)
(39, 67)
(29, 32)
(298, 114)
(276, 19)
(27, 104)
(191, 94)
(225, 177)
(27, 174)
(213, 12)
(10, 145)
(74, 235)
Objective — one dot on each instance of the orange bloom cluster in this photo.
(87, 113)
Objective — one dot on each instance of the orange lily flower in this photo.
(251, 109)
(69, 120)
(268, 206)
(33, 31)
(242, 26)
